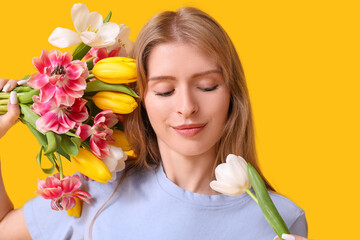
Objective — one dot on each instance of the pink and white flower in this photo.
(59, 119)
(59, 77)
(101, 53)
(62, 192)
(100, 132)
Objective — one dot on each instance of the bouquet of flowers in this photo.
(75, 102)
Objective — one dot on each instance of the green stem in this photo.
(4, 95)
(4, 101)
(60, 166)
(3, 108)
(252, 195)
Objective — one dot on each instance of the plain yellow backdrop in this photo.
(301, 60)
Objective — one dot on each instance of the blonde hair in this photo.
(191, 26)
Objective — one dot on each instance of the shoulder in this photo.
(293, 215)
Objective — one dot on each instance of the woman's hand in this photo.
(13, 111)
(290, 237)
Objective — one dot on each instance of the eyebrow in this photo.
(196, 75)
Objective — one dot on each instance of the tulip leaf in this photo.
(53, 141)
(80, 51)
(39, 136)
(70, 145)
(266, 204)
(52, 169)
(71, 134)
(90, 64)
(97, 86)
(29, 115)
(107, 19)
(63, 153)
(38, 160)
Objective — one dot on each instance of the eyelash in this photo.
(169, 93)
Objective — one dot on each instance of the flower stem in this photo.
(3, 108)
(252, 195)
(4, 101)
(4, 95)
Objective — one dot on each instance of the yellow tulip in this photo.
(116, 101)
(90, 165)
(115, 70)
(76, 211)
(120, 140)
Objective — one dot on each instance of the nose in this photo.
(187, 104)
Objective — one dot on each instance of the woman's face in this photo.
(186, 98)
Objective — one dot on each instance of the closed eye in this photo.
(209, 89)
(165, 94)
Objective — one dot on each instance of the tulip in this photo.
(76, 210)
(236, 177)
(232, 177)
(62, 192)
(90, 29)
(115, 70)
(90, 165)
(117, 102)
(115, 161)
(120, 140)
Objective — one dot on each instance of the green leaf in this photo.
(71, 145)
(63, 153)
(107, 19)
(53, 141)
(38, 160)
(39, 136)
(97, 86)
(29, 115)
(90, 64)
(266, 204)
(80, 51)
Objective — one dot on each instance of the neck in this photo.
(192, 173)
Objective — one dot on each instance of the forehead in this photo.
(180, 60)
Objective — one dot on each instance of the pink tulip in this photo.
(62, 192)
(101, 53)
(59, 77)
(59, 119)
(100, 132)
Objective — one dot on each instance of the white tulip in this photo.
(115, 161)
(123, 41)
(90, 30)
(231, 177)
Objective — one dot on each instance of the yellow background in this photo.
(301, 60)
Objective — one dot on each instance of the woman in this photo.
(194, 110)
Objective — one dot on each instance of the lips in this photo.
(189, 130)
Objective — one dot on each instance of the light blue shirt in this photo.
(148, 206)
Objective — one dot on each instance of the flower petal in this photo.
(226, 188)
(62, 38)
(79, 15)
(83, 131)
(94, 21)
(43, 62)
(68, 203)
(38, 80)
